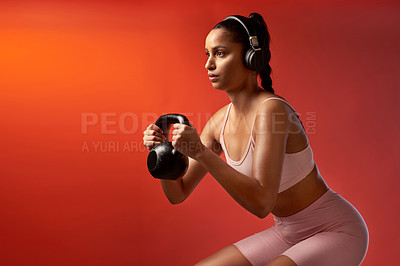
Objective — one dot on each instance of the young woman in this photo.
(270, 166)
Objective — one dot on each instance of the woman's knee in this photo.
(229, 255)
(281, 261)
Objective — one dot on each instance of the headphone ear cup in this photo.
(250, 60)
(254, 60)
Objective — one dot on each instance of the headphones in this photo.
(254, 58)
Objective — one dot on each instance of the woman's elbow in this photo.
(175, 200)
(263, 209)
(262, 213)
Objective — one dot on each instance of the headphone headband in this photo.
(250, 31)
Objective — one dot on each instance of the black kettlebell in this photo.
(164, 162)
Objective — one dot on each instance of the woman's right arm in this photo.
(178, 190)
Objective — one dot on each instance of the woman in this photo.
(270, 167)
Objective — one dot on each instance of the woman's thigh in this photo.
(263, 247)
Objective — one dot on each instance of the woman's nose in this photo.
(210, 64)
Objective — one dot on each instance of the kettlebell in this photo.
(163, 161)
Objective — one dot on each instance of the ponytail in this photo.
(262, 30)
(266, 80)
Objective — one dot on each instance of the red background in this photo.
(62, 204)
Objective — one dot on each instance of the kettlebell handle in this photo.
(164, 161)
(164, 121)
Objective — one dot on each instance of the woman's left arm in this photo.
(258, 193)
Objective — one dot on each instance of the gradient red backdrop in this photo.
(81, 80)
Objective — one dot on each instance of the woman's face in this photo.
(225, 61)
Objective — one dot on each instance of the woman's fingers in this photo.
(153, 136)
(153, 130)
(151, 141)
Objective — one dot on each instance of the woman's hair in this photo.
(237, 33)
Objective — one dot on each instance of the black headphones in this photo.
(254, 58)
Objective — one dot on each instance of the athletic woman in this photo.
(269, 164)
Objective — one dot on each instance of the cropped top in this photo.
(296, 166)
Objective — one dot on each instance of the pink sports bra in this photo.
(296, 166)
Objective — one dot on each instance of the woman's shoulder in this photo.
(271, 101)
(268, 95)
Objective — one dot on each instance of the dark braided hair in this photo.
(239, 34)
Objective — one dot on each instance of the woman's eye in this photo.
(207, 54)
(219, 53)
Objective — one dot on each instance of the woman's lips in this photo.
(212, 77)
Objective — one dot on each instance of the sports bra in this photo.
(296, 166)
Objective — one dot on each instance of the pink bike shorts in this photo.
(328, 232)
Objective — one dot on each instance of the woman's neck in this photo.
(243, 98)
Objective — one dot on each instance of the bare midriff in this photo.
(301, 195)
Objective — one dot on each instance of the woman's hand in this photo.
(153, 136)
(186, 140)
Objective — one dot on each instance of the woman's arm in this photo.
(178, 190)
(258, 193)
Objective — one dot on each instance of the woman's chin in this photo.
(218, 86)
